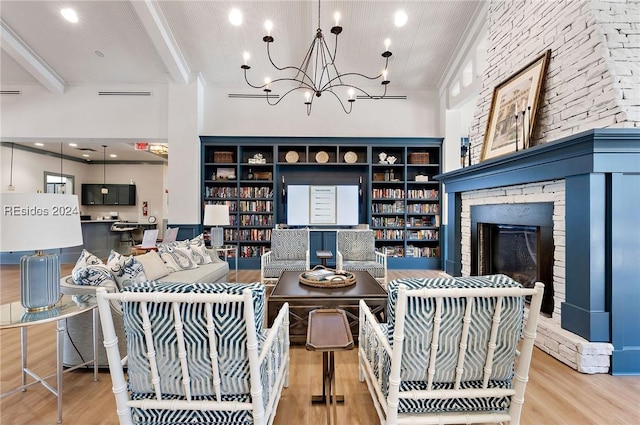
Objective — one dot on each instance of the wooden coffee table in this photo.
(302, 299)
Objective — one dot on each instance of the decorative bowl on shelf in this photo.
(322, 157)
(292, 156)
(350, 157)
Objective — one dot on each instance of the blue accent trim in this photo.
(601, 169)
(625, 272)
(186, 231)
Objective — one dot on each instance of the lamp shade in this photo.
(216, 215)
(39, 221)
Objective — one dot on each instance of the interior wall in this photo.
(28, 176)
(80, 112)
(29, 168)
(417, 116)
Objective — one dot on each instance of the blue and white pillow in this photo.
(125, 270)
(177, 256)
(90, 270)
(199, 251)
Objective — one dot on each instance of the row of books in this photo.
(256, 206)
(221, 192)
(256, 220)
(256, 192)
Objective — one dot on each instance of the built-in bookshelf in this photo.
(405, 201)
(400, 200)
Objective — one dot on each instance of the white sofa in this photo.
(78, 342)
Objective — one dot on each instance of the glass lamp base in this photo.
(39, 281)
(217, 237)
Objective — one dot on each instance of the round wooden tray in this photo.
(331, 279)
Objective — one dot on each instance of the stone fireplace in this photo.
(577, 196)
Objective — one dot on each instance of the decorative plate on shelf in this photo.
(322, 157)
(350, 157)
(292, 156)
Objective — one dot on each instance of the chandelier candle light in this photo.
(318, 73)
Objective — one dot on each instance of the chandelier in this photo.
(318, 73)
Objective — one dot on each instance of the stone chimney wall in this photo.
(593, 78)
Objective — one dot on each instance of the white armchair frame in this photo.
(374, 344)
(268, 257)
(379, 257)
(275, 344)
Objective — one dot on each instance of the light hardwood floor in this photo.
(555, 394)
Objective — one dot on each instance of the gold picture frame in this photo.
(522, 92)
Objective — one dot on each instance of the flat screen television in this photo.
(322, 205)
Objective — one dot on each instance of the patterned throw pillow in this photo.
(177, 256)
(154, 267)
(90, 270)
(126, 270)
(199, 251)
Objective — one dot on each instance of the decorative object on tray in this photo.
(514, 108)
(322, 157)
(292, 156)
(350, 157)
(257, 159)
(322, 277)
(391, 159)
(382, 158)
(225, 174)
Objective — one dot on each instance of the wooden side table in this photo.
(328, 332)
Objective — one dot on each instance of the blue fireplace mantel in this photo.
(601, 170)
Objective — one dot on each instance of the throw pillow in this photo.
(126, 270)
(154, 267)
(199, 251)
(177, 256)
(90, 270)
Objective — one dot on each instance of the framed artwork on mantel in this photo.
(513, 110)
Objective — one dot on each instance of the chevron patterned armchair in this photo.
(447, 352)
(289, 252)
(197, 354)
(356, 251)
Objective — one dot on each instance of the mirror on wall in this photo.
(58, 183)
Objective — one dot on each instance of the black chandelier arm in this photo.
(384, 93)
(341, 102)
(298, 70)
(285, 95)
(330, 84)
(302, 83)
(326, 64)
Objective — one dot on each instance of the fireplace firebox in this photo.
(516, 240)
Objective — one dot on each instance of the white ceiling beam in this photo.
(29, 60)
(156, 26)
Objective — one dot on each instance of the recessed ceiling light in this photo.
(39, 144)
(235, 17)
(69, 14)
(86, 155)
(99, 53)
(400, 18)
(73, 145)
(113, 155)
